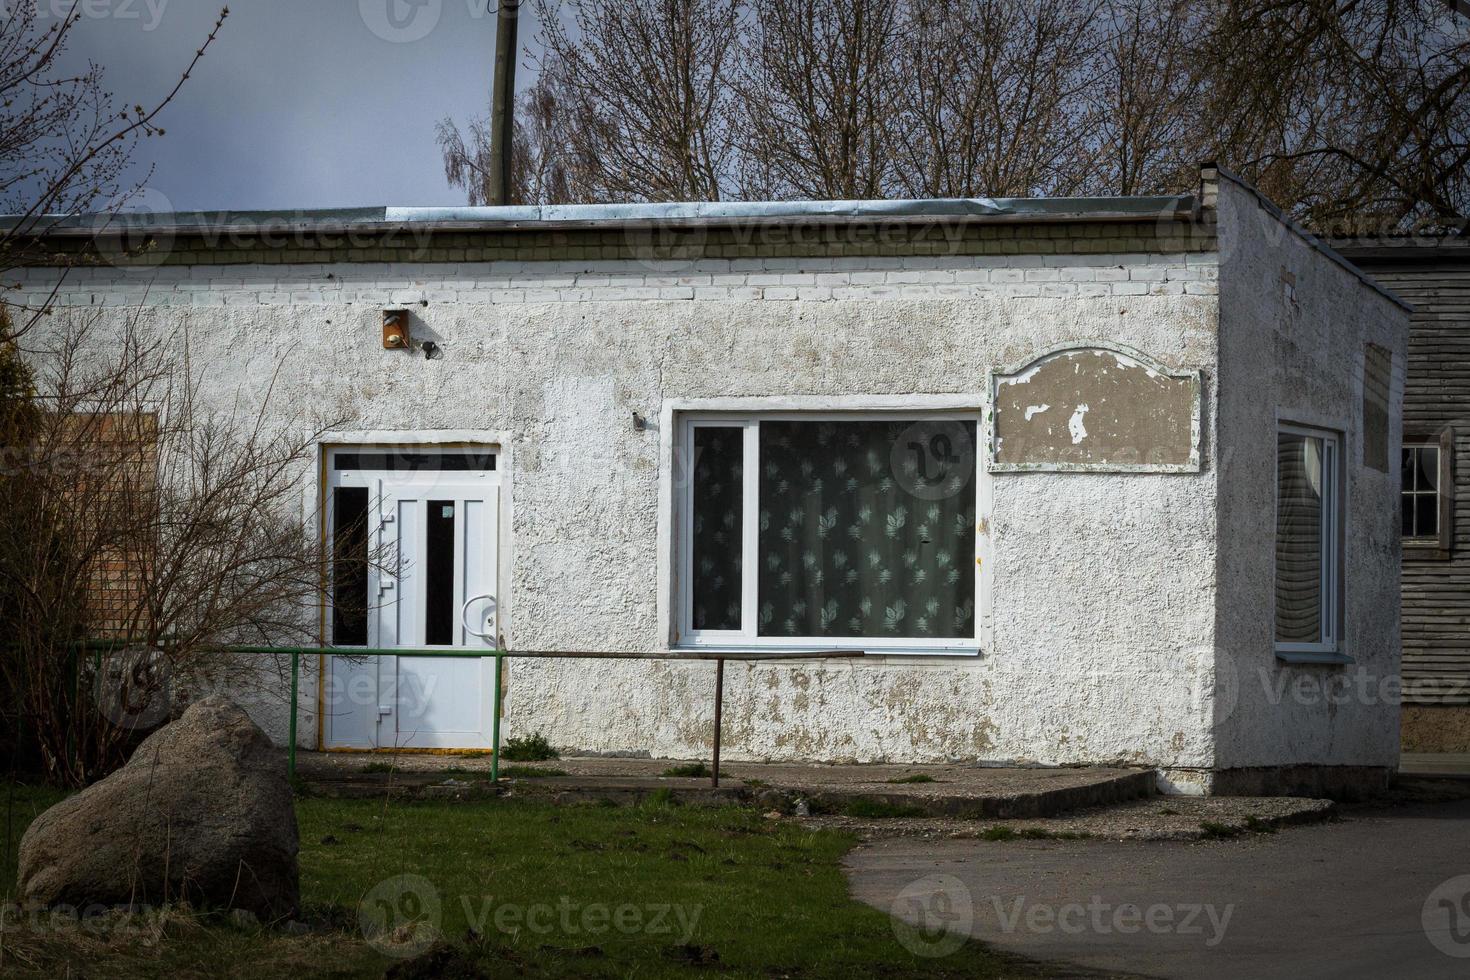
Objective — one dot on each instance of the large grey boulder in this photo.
(202, 813)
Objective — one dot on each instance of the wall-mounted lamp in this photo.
(395, 329)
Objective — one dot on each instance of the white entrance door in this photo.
(414, 568)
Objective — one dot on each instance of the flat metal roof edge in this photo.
(565, 216)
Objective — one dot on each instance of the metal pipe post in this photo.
(295, 683)
(719, 708)
(495, 721)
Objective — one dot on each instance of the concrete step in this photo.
(1031, 796)
(1442, 765)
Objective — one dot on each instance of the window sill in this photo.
(1425, 550)
(913, 650)
(1327, 658)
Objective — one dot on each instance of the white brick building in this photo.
(1038, 458)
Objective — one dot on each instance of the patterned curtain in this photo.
(1298, 539)
(867, 529)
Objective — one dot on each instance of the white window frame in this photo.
(682, 592)
(1333, 537)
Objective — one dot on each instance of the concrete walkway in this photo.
(965, 791)
(1385, 893)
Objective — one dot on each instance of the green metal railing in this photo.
(502, 655)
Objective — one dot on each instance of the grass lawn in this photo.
(524, 888)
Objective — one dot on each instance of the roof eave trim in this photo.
(584, 217)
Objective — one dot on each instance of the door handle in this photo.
(465, 609)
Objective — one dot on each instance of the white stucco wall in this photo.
(1293, 328)
(1104, 597)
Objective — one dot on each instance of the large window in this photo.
(1427, 495)
(1308, 536)
(831, 530)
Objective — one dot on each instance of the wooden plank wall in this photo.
(1434, 276)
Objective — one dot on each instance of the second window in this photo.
(1308, 540)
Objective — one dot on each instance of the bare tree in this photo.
(1144, 91)
(542, 170)
(1347, 112)
(634, 104)
(539, 172)
(991, 97)
(64, 145)
(1356, 113)
(467, 158)
(81, 442)
(645, 87)
(140, 516)
(815, 81)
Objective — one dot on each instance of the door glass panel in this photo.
(414, 462)
(439, 574)
(349, 566)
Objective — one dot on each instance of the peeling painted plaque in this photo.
(1095, 408)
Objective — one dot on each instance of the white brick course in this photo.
(813, 280)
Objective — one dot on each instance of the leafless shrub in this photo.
(137, 514)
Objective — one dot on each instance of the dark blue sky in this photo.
(300, 103)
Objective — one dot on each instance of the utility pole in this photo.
(503, 100)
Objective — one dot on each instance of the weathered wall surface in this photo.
(1104, 598)
(1293, 328)
(1434, 275)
